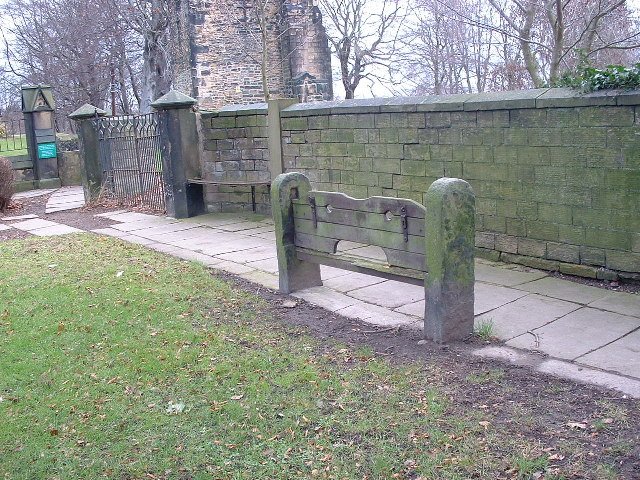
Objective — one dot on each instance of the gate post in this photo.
(38, 108)
(88, 135)
(180, 154)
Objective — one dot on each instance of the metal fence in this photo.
(13, 139)
(129, 150)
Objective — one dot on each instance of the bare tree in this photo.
(150, 20)
(42, 46)
(363, 35)
(554, 34)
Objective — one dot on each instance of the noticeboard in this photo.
(47, 150)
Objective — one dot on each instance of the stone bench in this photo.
(253, 185)
(430, 245)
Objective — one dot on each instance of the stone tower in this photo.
(223, 42)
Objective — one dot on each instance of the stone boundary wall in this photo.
(234, 148)
(556, 174)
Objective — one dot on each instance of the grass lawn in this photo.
(12, 146)
(119, 362)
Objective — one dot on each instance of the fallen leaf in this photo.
(484, 424)
(578, 425)
(60, 328)
(237, 397)
(119, 274)
(53, 432)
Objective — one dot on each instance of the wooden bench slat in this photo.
(358, 218)
(369, 205)
(367, 236)
(361, 265)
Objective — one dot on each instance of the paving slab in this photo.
(582, 374)
(619, 302)
(577, 333)
(111, 232)
(351, 281)
(196, 257)
(109, 214)
(54, 231)
(505, 276)
(489, 297)
(376, 315)
(390, 293)
(127, 216)
(262, 278)
(63, 208)
(211, 220)
(5, 227)
(267, 265)
(33, 193)
(524, 314)
(370, 251)
(19, 217)
(137, 240)
(622, 356)
(240, 226)
(327, 272)
(326, 298)
(565, 290)
(232, 267)
(251, 255)
(217, 248)
(259, 230)
(142, 224)
(160, 231)
(271, 236)
(34, 224)
(415, 309)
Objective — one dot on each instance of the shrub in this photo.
(6, 183)
(591, 79)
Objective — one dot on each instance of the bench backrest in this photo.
(396, 225)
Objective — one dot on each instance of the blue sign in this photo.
(47, 150)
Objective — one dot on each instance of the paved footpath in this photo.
(568, 329)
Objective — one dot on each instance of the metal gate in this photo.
(131, 159)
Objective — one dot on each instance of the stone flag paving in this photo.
(568, 329)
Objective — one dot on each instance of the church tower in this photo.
(224, 39)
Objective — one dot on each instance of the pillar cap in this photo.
(173, 99)
(87, 111)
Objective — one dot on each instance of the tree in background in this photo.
(512, 44)
(363, 35)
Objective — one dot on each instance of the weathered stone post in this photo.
(450, 238)
(180, 154)
(294, 274)
(88, 136)
(274, 133)
(38, 108)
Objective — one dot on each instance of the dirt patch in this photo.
(584, 425)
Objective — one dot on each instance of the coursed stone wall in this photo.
(234, 149)
(556, 174)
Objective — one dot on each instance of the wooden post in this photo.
(450, 244)
(294, 274)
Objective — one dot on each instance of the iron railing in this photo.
(129, 151)
(12, 137)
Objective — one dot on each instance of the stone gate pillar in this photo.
(91, 168)
(180, 154)
(38, 108)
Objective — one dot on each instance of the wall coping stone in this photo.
(239, 109)
(516, 99)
